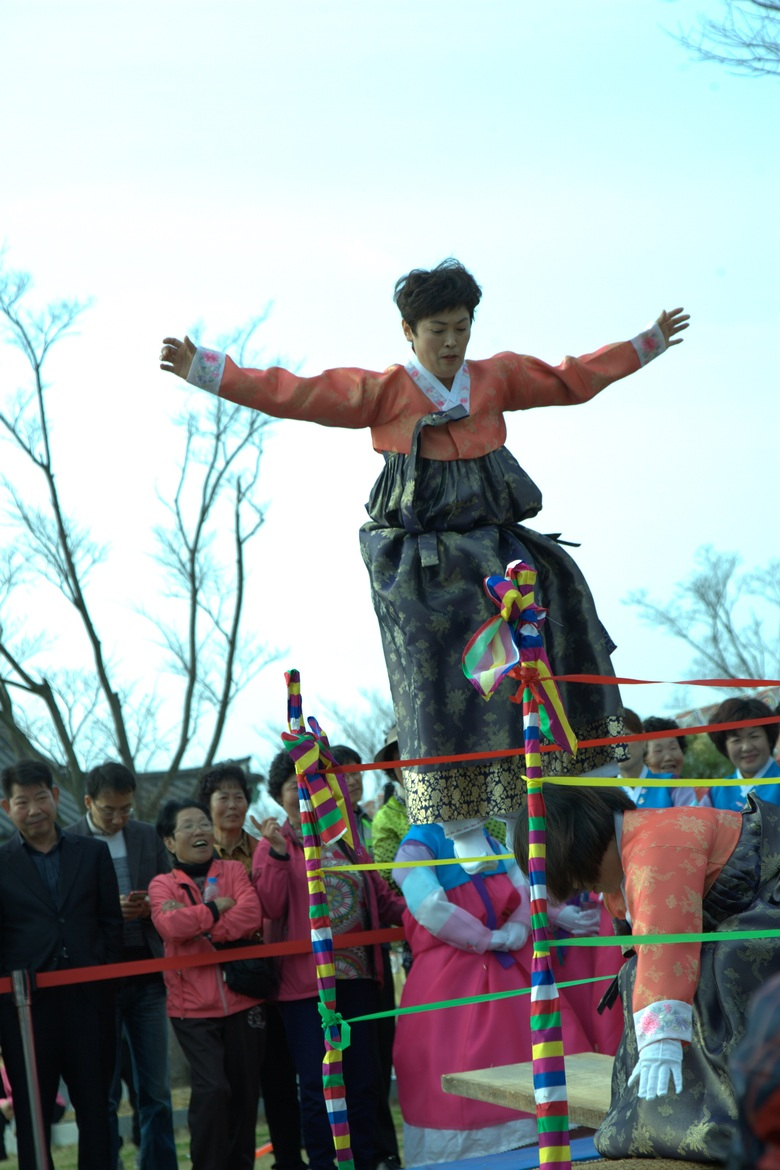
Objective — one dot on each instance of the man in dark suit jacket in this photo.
(138, 855)
(59, 908)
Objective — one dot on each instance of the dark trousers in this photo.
(222, 1053)
(75, 1039)
(386, 1145)
(143, 1022)
(354, 997)
(280, 1094)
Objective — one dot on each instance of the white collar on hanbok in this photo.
(747, 788)
(436, 391)
(759, 775)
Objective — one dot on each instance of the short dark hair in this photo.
(24, 773)
(343, 754)
(280, 771)
(109, 775)
(731, 710)
(214, 777)
(631, 721)
(580, 826)
(658, 723)
(166, 819)
(423, 292)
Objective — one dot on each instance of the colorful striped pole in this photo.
(326, 816)
(549, 1072)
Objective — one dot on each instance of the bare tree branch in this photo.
(713, 614)
(221, 461)
(745, 38)
(63, 549)
(70, 714)
(362, 727)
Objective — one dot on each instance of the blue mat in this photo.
(525, 1159)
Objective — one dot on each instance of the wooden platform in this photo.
(588, 1086)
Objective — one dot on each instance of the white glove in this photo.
(659, 1064)
(511, 937)
(578, 922)
(516, 933)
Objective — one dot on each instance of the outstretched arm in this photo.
(529, 382)
(339, 398)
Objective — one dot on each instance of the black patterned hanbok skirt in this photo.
(699, 1123)
(437, 529)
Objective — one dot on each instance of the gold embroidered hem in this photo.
(588, 759)
(491, 788)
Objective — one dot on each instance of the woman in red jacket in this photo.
(215, 1026)
(357, 901)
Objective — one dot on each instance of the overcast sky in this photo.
(182, 162)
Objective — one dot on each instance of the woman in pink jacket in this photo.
(215, 1026)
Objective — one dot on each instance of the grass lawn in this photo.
(65, 1157)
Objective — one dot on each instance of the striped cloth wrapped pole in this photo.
(549, 1072)
(510, 645)
(326, 816)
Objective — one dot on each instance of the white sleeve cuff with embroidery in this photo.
(207, 369)
(649, 343)
(669, 1019)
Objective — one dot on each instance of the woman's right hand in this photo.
(176, 356)
(270, 829)
(579, 921)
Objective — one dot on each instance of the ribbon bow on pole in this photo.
(510, 645)
(326, 817)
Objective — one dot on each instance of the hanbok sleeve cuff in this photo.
(207, 369)
(648, 344)
(668, 1019)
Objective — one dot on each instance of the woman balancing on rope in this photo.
(447, 511)
(672, 871)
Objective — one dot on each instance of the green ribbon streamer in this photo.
(616, 940)
(487, 998)
(649, 940)
(331, 1019)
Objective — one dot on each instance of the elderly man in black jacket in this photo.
(59, 909)
(138, 855)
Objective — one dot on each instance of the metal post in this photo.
(22, 992)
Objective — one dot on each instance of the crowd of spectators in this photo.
(111, 888)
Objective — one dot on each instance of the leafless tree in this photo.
(745, 37)
(361, 726)
(728, 618)
(76, 715)
(216, 488)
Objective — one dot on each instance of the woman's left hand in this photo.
(671, 323)
(172, 904)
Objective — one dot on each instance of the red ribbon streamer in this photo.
(611, 681)
(501, 753)
(98, 973)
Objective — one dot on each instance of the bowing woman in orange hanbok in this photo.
(672, 871)
(448, 510)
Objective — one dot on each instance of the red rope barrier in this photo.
(501, 753)
(97, 974)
